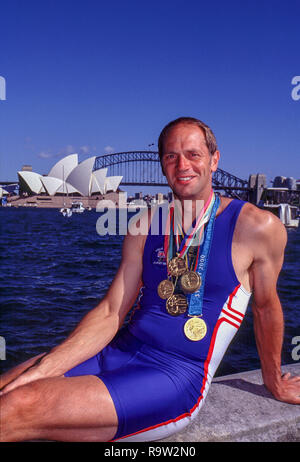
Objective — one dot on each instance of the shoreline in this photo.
(58, 202)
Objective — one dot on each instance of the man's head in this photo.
(189, 156)
(211, 141)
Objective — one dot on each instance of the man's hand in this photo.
(31, 374)
(288, 389)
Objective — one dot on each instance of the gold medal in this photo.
(195, 329)
(176, 305)
(165, 289)
(177, 266)
(190, 281)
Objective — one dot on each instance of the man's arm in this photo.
(269, 243)
(99, 326)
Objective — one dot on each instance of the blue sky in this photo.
(93, 76)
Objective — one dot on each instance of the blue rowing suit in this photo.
(157, 377)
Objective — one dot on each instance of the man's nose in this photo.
(182, 162)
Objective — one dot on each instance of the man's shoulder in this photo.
(259, 218)
(260, 226)
(250, 214)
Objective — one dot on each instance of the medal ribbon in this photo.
(182, 248)
(168, 241)
(196, 299)
(201, 220)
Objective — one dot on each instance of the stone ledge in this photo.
(239, 408)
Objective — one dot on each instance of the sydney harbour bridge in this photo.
(142, 168)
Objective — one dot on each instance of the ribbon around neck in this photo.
(193, 235)
(196, 299)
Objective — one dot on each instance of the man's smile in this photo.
(184, 179)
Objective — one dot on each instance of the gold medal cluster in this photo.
(176, 304)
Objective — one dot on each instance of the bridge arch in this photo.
(143, 168)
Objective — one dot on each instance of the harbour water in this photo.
(54, 270)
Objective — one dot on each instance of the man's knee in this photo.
(22, 413)
(24, 400)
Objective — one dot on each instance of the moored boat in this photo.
(77, 207)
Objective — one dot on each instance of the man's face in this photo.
(187, 163)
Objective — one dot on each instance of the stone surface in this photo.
(239, 408)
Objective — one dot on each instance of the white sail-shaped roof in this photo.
(31, 181)
(55, 185)
(98, 181)
(81, 176)
(67, 188)
(68, 177)
(112, 183)
(3, 192)
(51, 184)
(64, 167)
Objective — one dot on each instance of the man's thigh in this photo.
(63, 409)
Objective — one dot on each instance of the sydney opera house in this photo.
(68, 177)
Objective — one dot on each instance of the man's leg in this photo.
(59, 409)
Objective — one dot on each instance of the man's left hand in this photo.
(288, 390)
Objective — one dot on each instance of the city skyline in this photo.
(94, 79)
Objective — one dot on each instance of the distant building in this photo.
(170, 196)
(285, 182)
(27, 168)
(257, 184)
(279, 182)
(291, 183)
(68, 176)
(159, 197)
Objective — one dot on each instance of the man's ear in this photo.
(215, 160)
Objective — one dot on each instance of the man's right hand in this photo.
(22, 374)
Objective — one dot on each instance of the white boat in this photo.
(77, 207)
(288, 214)
(134, 205)
(66, 212)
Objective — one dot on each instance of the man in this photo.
(150, 379)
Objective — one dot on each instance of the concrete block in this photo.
(238, 408)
